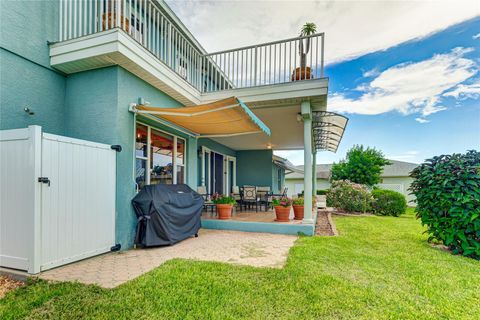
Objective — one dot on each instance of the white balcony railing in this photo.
(145, 21)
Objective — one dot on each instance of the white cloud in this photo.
(371, 73)
(422, 120)
(464, 91)
(352, 28)
(475, 37)
(410, 87)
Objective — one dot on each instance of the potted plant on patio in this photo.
(304, 72)
(282, 207)
(298, 208)
(224, 205)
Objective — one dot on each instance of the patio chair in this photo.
(263, 194)
(236, 194)
(249, 197)
(202, 190)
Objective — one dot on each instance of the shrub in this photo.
(349, 196)
(388, 203)
(447, 189)
(319, 192)
(322, 192)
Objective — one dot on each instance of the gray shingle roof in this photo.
(396, 169)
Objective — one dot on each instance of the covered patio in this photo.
(258, 120)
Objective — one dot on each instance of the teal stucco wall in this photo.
(254, 167)
(27, 80)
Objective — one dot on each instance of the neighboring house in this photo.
(130, 73)
(394, 177)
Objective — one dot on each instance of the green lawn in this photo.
(378, 268)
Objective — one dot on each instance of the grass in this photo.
(378, 268)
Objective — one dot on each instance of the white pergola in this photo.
(322, 130)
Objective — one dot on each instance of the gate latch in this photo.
(44, 180)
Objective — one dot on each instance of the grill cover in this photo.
(166, 214)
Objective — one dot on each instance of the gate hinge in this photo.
(116, 247)
(116, 147)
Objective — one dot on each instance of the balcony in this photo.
(146, 38)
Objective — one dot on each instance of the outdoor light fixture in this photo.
(28, 111)
(269, 146)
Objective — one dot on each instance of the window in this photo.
(159, 157)
(141, 155)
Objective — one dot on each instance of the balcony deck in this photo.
(145, 38)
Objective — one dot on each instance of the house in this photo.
(129, 74)
(395, 176)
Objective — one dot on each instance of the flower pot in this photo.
(283, 213)
(298, 211)
(224, 211)
(302, 74)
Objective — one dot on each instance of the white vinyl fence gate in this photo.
(57, 199)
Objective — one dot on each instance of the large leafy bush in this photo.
(348, 196)
(361, 165)
(447, 189)
(388, 203)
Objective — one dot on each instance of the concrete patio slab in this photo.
(244, 248)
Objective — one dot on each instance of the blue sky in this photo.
(431, 93)
(406, 73)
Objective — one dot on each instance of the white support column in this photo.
(314, 172)
(307, 178)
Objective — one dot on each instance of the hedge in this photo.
(388, 203)
(447, 189)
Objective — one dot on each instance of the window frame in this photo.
(148, 157)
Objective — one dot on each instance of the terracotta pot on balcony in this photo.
(109, 21)
(298, 211)
(282, 213)
(224, 211)
(302, 74)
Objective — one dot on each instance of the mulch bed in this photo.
(325, 225)
(7, 284)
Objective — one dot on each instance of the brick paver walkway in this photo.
(112, 269)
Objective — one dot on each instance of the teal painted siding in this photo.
(29, 80)
(26, 26)
(254, 167)
(25, 84)
(215, 146)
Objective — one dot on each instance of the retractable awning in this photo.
(223, 118)
(328, 128)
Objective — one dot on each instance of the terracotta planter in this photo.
(283, 213)
(298, 211)
(302, 74)
(224, 211)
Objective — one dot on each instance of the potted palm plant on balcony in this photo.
(224, 205)
(304, 72)
(282, 207)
